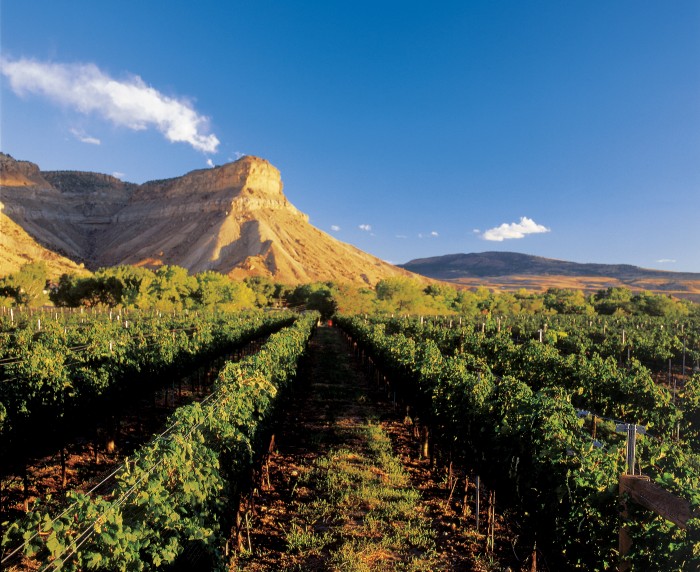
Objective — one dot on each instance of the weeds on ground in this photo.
(365, 515)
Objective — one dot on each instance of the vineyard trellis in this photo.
(506, 404)
(181, 489)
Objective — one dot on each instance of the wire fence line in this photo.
(111, 478)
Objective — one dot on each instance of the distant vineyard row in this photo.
(53, 369)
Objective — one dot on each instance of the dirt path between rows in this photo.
(343, 489)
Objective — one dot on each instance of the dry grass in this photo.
(689, 289)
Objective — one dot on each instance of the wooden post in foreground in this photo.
(641, 490)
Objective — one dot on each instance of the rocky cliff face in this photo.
(234, 219)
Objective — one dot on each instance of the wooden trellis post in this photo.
(641, 490)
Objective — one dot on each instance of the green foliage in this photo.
(648, 304)
(180, 488)
(167, 289)
(57, 369)
(214, 289)
(621, 302)
(350, 299)
(399, 294)
(27, 287)
(564, 301)
(508, 410)
(171, 288)
(264, 288)
(614, 300)
(319, 297)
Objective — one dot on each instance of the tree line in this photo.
(171, 287)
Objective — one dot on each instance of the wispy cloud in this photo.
(335, 228)
(401, 236)
(84, 138)
(365, 227)
(210, 163)
(514, 230)
(666, 261)
(432, 234)
(118, 175)
(129, 103)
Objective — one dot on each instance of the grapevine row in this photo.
(178, 493)
(593, 382)
(55, 373)
(527, 440)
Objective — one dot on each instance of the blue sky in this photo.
(562, 129)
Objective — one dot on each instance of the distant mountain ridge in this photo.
(233, 219)
(491, 264)
(513, 271)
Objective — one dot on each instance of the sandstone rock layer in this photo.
(234, 219)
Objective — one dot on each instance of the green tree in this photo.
(217, 289)
(64, 294)
(648, 304)
(466, 304)
(319, 296)
(351, 299)
(505, 303)
(441, 297)
(614, 300)
(399, 294)
(264, 289)
(239, 296)
(566, 301)
(28, 286)
(114, 286)
(172, 287)
(211, 288)
(135, 283)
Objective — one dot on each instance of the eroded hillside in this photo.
(234, 219)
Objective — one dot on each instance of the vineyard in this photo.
(532, 422)
(175, 495)
(533, 409)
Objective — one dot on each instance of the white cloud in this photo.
(434, 233)
(335, 228)
(666, 261)
(514, 230)
(401, 236)
(365, 227)
(210, 163)
(127, 103)
(83, 138)
(118, 175)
